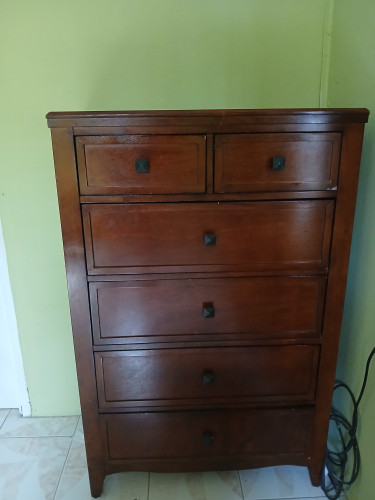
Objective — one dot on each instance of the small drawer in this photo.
(137, 164)
(207, 434)
(267, 307)
(170, 237)
(276, 162)
(217, 375)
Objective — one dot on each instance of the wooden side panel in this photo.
(70, 214)
(336, 287)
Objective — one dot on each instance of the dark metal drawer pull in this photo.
(208, 438)
(142, 165)
(278, 163)
(208, 311)
(208, 377)
(210, 239)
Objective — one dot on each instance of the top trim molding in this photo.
(214, 117)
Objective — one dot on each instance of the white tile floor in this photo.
(44, 459)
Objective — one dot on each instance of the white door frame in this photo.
(12, 370)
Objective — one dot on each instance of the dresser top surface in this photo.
(209, 116)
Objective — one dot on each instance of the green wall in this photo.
(95, 54)
(352, 83)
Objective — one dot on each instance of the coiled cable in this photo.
(334, 476)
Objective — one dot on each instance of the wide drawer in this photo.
(276, 162)
(200, 434)
(133, 238)
(209, 375)
(137, 164)
(268, 307)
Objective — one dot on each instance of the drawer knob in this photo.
(208, 438)
(142, 165)
(210, 239)
(208, 311)
(278, 163)
(208, 377)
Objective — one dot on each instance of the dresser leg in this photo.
(96, 483)
(315, 474)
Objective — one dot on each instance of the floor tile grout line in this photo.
(75, 428)
(293, 498)
(70, 436)
(239, 478)
(148, 486)
(7, 415)
(63, 468)
(40, 417)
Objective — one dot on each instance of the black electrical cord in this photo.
(335, 482)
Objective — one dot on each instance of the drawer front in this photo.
(285, 235)
(200, 434)
(207, 376)
(268, 307)
(133, 164)
(276, 162)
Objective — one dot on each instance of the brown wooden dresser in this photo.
(206, 256)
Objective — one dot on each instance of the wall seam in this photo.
(326, 54)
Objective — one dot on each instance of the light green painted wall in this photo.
(95, 54)
(352, 83)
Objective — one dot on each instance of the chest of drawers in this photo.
(206, 256)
